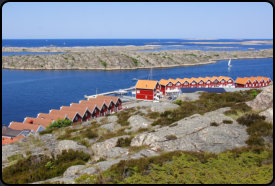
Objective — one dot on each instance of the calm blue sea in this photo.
(166, 44)
(27, 93)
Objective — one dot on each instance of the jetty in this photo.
(117, 92)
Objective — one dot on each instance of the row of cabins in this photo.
(252, 82)
(76, 112)
(150, 89)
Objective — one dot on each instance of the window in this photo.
(208, 82)
(138, 91)
(186, 83)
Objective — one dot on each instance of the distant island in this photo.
(118, 57)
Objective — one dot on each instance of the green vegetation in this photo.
(170, 58)
(178, 102)
(123, 142)
(216, 55)
(41, 167)
(60, 123)
(254, 93)
(103, 62)
(79, 136)
(257, 128)
(15, 157)
(135, 61)
(153, 115)
(243, 166)
(190, 55)
(208, 102)
(124, 115)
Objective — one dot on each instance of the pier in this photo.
(118, 92)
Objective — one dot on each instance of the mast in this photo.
(150, 74)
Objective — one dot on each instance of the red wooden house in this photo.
(147, 89)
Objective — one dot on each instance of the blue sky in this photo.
(178, 20)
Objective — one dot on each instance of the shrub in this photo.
(178, 102)
(214, 124)
(253, 93)
(171, 137)
(123, 142)
(88, 133)
(227, 121)
(135, 61)
(153, 115)
(41, 167)
(255, 140)
(124, 115)
(260, 128)
(243, 107)
(60, 123)
(103, 63)
(249, 119)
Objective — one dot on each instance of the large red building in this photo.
(147, 89)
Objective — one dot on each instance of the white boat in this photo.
(229, 63)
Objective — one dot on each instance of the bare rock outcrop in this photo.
(137, 122)
(196, 134)
(264, 102)
(69, 144)
(107, 149)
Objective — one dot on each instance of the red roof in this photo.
(23, 126)
(38, 121)
(6, 140)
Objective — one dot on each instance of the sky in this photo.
(139, 20)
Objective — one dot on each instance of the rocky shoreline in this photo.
(118, 58)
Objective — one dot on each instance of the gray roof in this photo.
(6, 131)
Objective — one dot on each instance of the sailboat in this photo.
(229, 63)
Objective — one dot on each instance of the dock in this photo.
(119, 92)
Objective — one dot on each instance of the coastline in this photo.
(120, 58)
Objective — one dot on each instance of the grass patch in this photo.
(153, 115)
(124, 142)
(15, 157)
(80, 137)
(124, 115)
(109, 135)
(41, 167)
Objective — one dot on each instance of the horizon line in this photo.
(141, 38)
